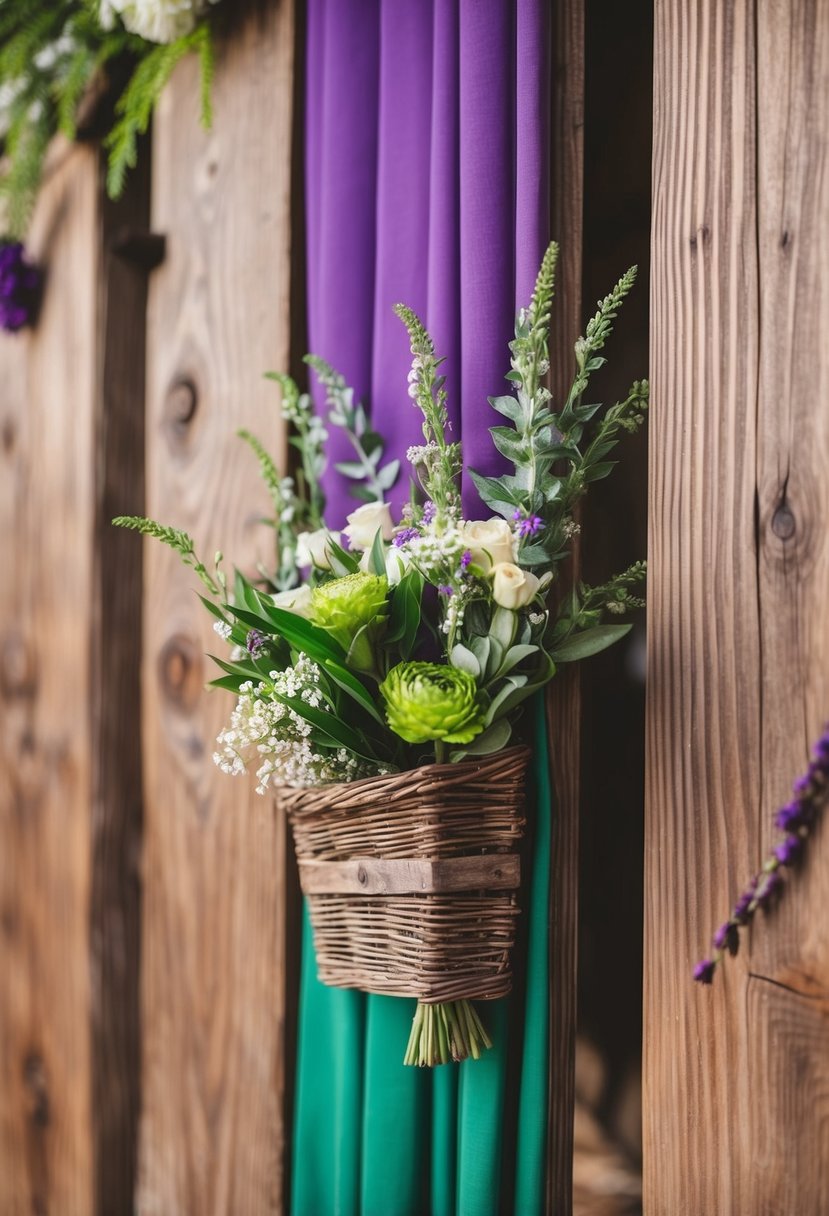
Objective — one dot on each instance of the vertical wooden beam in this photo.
(125, 258)
(213, 955)
(737, 1076)
(563, 696)
(47, 504)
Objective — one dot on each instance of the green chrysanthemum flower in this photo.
(344, 606)
(431, 701)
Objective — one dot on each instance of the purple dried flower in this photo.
(791, 816)
(795, 819)
(722, 935)
(445, 589)
(788, 851)
(255, 643)
(704, 971)
(528, 525)
(466, 558)
(404, 536)
(20, 287)
(767, 888)
(429, 511)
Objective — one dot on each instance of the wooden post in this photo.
(214, 945)
(736, 1076)
(47, 508)
(563, 698)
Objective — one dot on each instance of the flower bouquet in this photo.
(380, 670)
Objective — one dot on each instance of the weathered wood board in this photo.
(47, 505)
(737, 1076)
(214, 938)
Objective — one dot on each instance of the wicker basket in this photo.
(411, 878)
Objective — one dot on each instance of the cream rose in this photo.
(366, 521)
(297, 600)
(490, 541)
(312, 548)
(513, 587)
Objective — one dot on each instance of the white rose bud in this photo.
(297, 600)
(366, 521)
(397, 563)
(312, 548)
(490, 541)
(513, 587)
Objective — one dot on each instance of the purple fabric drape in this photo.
(426, 179)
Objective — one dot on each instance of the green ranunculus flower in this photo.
(344, 606)
(431, 701)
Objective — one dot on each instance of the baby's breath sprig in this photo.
(372, 480)
(182, 542)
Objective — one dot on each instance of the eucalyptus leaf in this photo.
(503, 626)
(589, 642)
(493, 739)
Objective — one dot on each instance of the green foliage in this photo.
(51, 51)
(180, 541)
(135, 106)
(556, 455)
(372, 480)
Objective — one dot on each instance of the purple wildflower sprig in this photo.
(796, 819)
(21, 284)
(526, 525)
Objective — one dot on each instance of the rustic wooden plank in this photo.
(213, 993)
(46, 513)
(370, 876)
(563, 698)
(737, 1077)
(117, 795)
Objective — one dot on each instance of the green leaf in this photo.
(351, 468)
(493, 739)
(404, 618)
(465, 660)
(342, 562)
(589, 642)
(329, 724)
(316, 643)
(510, 407)
(516, 655)
(350, 684)
(503, 626)
(377, 557)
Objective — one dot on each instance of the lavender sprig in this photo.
(796, 819)
(21, 283)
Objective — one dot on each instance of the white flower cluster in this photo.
(223, 629)
(437, 557)
(266, 730)
(155, 20)
(420, 363)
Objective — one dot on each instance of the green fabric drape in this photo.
(374, 1138)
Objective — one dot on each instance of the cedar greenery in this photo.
(51, 53)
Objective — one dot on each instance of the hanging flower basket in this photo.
(411, 878)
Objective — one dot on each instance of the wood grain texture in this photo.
(563, 696)
(370, 876)
(213, 1000)
(47, 509)
(737, 1076)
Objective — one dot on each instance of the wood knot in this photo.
(17, 671)
(8, 435)
(783, 522)
(362, 877)
(701, 236)
(180, 406)
(180, 672)
(37, 1090)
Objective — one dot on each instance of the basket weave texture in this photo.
(411, 877)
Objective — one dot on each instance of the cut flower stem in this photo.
(446, 1033)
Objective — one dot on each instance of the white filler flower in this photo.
(155, 20)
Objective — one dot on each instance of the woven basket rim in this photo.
(287, 794)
